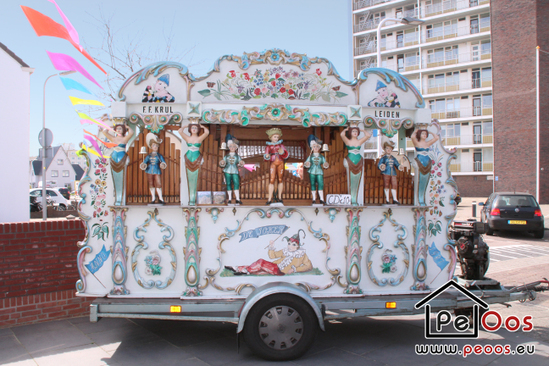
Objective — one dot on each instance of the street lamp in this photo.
(45, 151)
(405, 21)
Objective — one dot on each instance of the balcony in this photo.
(367, 3)
(434, 88)
(462, 113)
(463, 140)
(441, 59)
(450, 6)
(369, 24)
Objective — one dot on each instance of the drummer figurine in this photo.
(152, 164)
(315, 163)
(387, 165)
(275, 153)
(231, 164)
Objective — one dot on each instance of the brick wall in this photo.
(474, 186)
(38, 271)
(514, 94)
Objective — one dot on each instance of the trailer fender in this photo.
(273, 288)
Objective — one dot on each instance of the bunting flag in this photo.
(91, 151)
(72, 32)
(46, 26)
(64, 62)
(94, 145)
(108, 145)
(84, 116)
(77, 101)
(71, 84)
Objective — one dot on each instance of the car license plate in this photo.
(517, 222)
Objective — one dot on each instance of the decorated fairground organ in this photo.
(255, 173)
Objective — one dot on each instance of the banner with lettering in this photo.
(98, 261)
(261, 231)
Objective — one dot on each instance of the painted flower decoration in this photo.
(318, 72)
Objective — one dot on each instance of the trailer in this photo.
(191, 215)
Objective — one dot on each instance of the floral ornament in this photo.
(98, 191)
(436, 192)
(153, 264)
(101, 231)
(276, 83)
(388, 262)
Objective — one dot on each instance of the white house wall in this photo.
(14, 139)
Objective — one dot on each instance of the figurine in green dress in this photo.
(193, 157)
(354, 160)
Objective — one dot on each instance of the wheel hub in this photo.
(281, 327)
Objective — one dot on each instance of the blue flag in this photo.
(438, 258)
(98, 261)
(264, 230)
(72, 84)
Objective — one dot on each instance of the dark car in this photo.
(65, 192)
(514, 212)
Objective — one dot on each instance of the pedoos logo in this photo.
(461, 323)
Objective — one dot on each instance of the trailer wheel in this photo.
(280, 328)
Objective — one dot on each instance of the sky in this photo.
(201, 31)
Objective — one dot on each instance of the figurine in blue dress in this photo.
(152, 164)
(231, 164)
(388, 164)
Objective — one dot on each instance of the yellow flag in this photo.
(94, 152)
(76, 101)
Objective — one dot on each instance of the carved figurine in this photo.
(288, 261)
(387, 165)
(231, 164)
(152, 164)
(423, 160)
(193, 157)
(158, 94)
(119, 157)
(315, 163)
(385, 98)
(276, 153)
(354, 160)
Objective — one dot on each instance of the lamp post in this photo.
(46, 147)
(405, 21)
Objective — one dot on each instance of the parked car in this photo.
(514, 212)
(65, 192)
(55, 196)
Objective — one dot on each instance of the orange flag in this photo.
(46, 26)
(109, 145)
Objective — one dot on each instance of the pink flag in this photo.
(68, 25)
(64, 62)
(94, 144)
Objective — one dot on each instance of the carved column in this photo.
(353, 252)
(420, 250)
(192, 252)
(119, 252)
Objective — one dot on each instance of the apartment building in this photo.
(448, 58)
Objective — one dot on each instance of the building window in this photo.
(65, 173)
(476, 78)
(485, 22)
(478, 160)
(485, 49)
(486, 77)
(476, 105)
(474, 24)
(55, 173)
(59, 161)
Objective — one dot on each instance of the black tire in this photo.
(280, 328)
(61, 207)
(539, 234)
(490, 232)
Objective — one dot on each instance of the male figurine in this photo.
(387, 165)
(152, 164)
(276, 153)
(231, 164)
(316, 162)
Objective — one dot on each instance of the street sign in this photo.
(45, 137)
